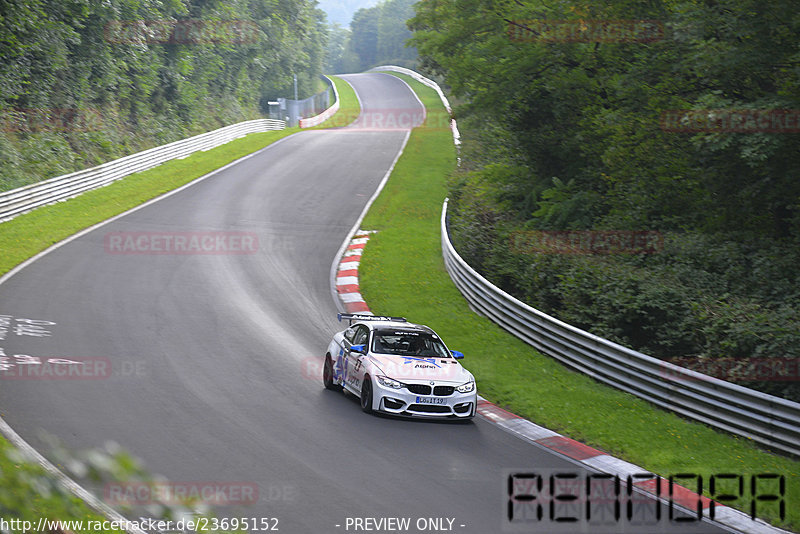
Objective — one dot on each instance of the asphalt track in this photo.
(215, 357)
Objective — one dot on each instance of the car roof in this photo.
(396, 325)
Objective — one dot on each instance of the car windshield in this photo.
(409, 343)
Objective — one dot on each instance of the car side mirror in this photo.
(361, 349)
(457, 355)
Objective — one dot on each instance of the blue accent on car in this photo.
(457, 355)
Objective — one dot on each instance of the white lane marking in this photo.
(424, 109)
(357, 225)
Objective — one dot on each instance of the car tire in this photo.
(366, 395)
(327, 375)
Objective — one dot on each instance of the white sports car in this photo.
(399, 368)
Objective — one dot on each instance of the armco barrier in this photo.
(769, 420)
(325, 115)
(23, 199)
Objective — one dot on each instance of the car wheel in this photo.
(327, 375)
(366, 395)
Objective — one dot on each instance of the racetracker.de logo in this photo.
(732, 369)
(388, 119)
(181, 32)
(585, 31)
(586, 242)
(731, 120)
(25, 367)
(177, 493)
(181, 243)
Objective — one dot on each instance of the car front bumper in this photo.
(406, 403)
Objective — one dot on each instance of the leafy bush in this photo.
(702, 297)
(37, 494)
(74, 92)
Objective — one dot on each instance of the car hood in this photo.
(412, 368)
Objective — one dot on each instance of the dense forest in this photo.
(82, 81)
(377, 36)
(675, 118)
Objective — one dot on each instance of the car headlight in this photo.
(387, 382)
(466, 388)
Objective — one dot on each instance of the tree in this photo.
(364, 36)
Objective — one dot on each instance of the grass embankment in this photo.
(402, 273)
(31, 233)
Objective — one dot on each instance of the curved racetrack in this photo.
(215, 356)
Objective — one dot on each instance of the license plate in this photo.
(430, 400)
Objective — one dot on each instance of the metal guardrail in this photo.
(295, 111)
(767, 419)
(325, 115)
(26, 198)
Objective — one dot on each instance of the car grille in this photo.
(428, 408)
(422, 389)
(419, 389)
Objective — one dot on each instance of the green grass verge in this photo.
(349, 108)
(402, 273)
